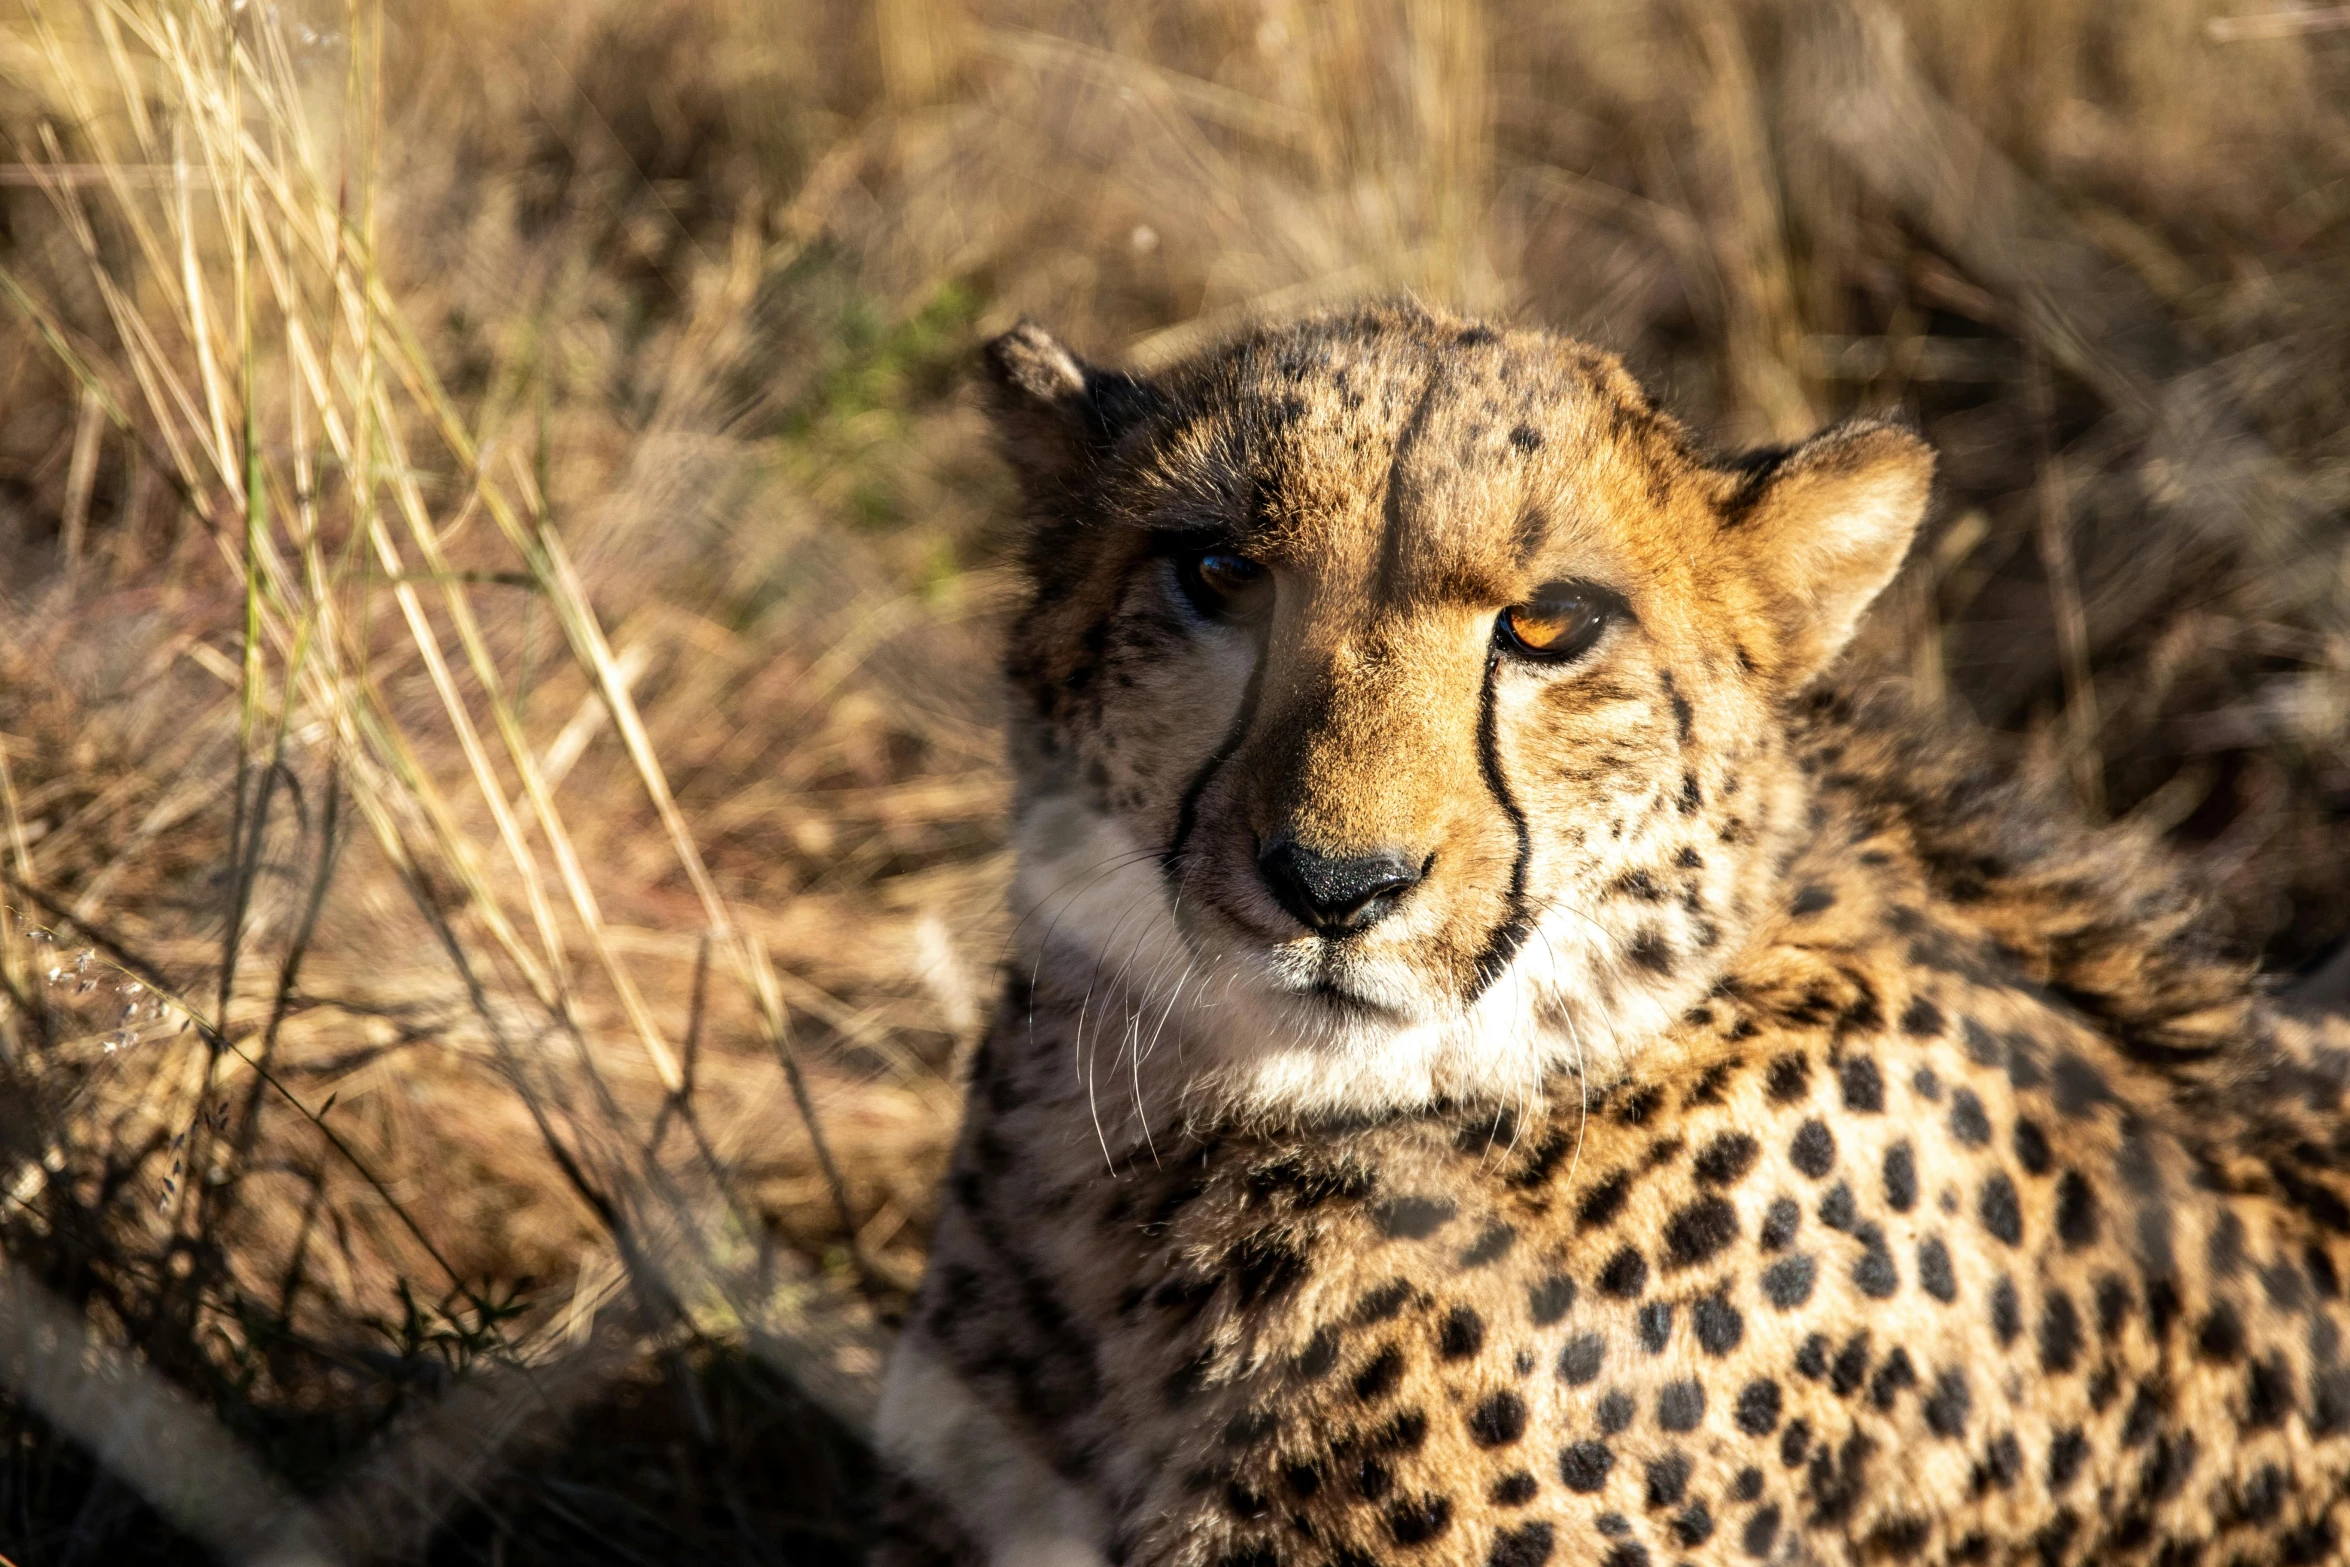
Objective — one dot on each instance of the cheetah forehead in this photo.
(1441, 457)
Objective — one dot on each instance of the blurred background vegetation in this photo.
(499, 806)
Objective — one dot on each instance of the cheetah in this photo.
(1508, 1062)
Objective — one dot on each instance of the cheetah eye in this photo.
(1224, 586)
(1560, 623)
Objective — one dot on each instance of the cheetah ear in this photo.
(1055, 413)
(1823, 527)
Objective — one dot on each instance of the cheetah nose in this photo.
(1337, 895)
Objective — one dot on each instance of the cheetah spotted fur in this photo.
(1742, 1125)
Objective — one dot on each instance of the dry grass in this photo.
(498, 796)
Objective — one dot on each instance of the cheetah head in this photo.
(1397, 701)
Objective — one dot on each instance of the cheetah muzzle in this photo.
(1505, 1065)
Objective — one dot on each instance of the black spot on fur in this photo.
(1656, 1325)
(1667, 1480)
(1850, 1366)
(1838, 1481)
(1680, 1405)
(1515, 1489)
(1604, 1201)
(1968, 1123)
(2322, 1276)
(1581, 1358)
(1319, 1355)
(1526, 439)
(1839, 1209)
(1761, 1532)
(2168, 1465)
(2113, 1304)
(1493, 1245)
(1935, 1275)
(1379, 1377)
(2162, 1305)
(1895, 1375)
(2308, 1543)
(2268, 1394)
(2221, 1337)
(1725, 1160)
(1498, 1419)
(1383, 1302)
(1788, 1078)
(1898, 1539)
(2076, 1211)
(1748, 1484)
(1810, 900)
(1947, 1407)
(2007, 1312)
(2060, 1333)
(1780, 1221)
(1700, 1231)
(2031, 1147)
(1901, 1177)
(1550, 1299)
(1693, 1525)
(2077, 1086)
(1651, 951)
(1614, 1411)
(1999, 1210)
(1814, 1149)
(1922, 1019)
(1683, 717)
(1529, 1546)
(1406, 1433)
(1757, 1410)
(1875, 1271)
(1789, 1281)
(1864, 1084)
(1418, 1519)
(1463, 1334)
(1584, 1466)
(2066, 1452)
(1720, 1326)
(1625, 1275)
(2263, 1494)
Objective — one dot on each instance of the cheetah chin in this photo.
(1174, 1024)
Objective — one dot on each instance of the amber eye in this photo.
(1561, 623)
(1224, 586)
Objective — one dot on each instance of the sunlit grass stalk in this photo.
(358, 369)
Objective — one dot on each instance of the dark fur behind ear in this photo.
(1056, 413)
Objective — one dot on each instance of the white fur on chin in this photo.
(1174, 1032)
